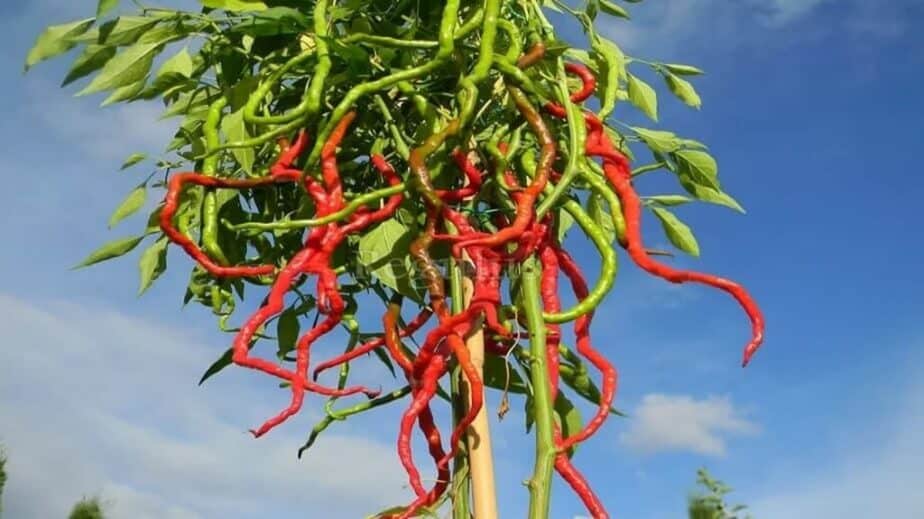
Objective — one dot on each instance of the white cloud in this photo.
(879, 475)
(97, 403)
(108, 134)
(682, 423)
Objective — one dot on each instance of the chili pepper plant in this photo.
(336, 153)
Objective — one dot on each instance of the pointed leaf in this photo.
(643, 96)
(498, 374)
(657, 140)
(668, 200)
(153, 263)
(105, 6)
(383, 252)
(90, 60)
(287, 329)
(598, 210)
(565, 222)
(111, 250)
(569, 419)
(235, 129)
(684, 90)
(677, 232)
(708, 194)
(683, 70)
(132, 203)
(614, 9)
(133, 159)
(700, 166)
(223, 362)
(127, 68)
(385, 358)
(180, 63)
(127, 93)
(235, 5)
(55, 40)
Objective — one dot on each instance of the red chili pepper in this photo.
(172, 202)
(363, 349)
(425, 419)
(550, 301)
(617, 170)
(586, 349)
(579, 484)
(472, 174)
(619, 174)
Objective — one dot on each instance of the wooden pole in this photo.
(481, 459)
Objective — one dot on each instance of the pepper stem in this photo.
(540, 486)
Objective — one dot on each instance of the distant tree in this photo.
(87, 508)
(710, 503)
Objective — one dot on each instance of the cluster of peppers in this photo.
(525, 242)
(519, 241)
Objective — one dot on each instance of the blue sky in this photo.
(812, 108)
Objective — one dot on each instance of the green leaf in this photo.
(498, 374)
(668, 200)
(105, 6)
(683, 70)
(132, 203)
(127, 93)
(169, 32)
(188, 103)
(614, 9)
(612, 61)
(677, 232)
(657, 140)
(287, 329)
(174, 72)
(127, 68)
(55, 40)
(598, 210)
(385, 359)
(153, 263)
(684, 90)
(699, 166)
(235, 129)
(132, 160)
(113, 249)
(549, 4)
(643, 96)
(124, 30)
(565, 222)
(180, 63)
(383, 252)
(90, 60)
(569, 418)
(223, 362)
(235, 5)
(708, 194)
(530, 413)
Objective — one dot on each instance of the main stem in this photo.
(540, 485)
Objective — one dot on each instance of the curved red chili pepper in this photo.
(412, 327)
(171, 205)
(586, 349)
(618, 173)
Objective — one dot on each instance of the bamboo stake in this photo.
(481, 459)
